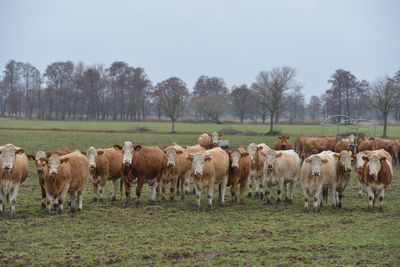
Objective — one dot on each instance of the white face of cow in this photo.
(345, 160)
(171, 155)
(252, 149)
(374, 164)
(360, 161)
(352, 139)
(316, 164)
(198, 160)
(39, 164)
(91, 155)
(270, 159)
(235, 158)
(127, 155)
(8, 153)
(54, 163)
(214, 137)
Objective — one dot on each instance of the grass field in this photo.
(174, 234)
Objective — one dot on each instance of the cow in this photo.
(318, 174)
(343, 171)
(389, 145)
(341, 145)
(367, 143)
(65, 174)
(141, 164)
(14, 169)
(209, 140)
(377, 174)
(239, 171)
(299, 148)
(257, 157)
(40, 167)
(104, 164)
(359, 168)
(397, 141)
(283, 143)
(209, 168)
(178, 168)
(281, 169)
(308, 144)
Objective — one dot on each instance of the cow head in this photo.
(284, 142)
(235, 156)
(171, 153)
(270, 159)
(252, 149)
(198, 160)
(53, 163)
(91, 155)
(344, 159)
(8, 155)
(39, 164)
(215, 137)
(127, 152)
(374, 162)
(360, 161)
(316, 163)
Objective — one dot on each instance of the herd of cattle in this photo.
(323, 164)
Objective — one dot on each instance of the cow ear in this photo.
(137, 147)
(287, 137)
(184, 147)
(336, 156)
(279, 154)
(228, 152)
(165, 148)
(259, 148)
(19, 151)
(189, 158)
(324, 161)
(117, 147)
(280, 137)
(219, 134)
(383, 159)
(353, 157)
(207, 158)
(365, 158)
(83, 152)
(44, 160)
(209, 135)
(178, 152)
(64, 160)
(244, 154)
(307, 160)
(31, 157)
(100, 152)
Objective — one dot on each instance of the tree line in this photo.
(68, 91)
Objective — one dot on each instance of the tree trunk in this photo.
(385, 118)
(173, 126)
(271, 123)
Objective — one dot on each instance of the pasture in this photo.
(173, 233)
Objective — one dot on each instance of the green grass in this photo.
(198, 128)
(174, 234)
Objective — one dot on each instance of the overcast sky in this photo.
(224, 38)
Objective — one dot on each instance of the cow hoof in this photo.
(94, 199)
(182, 197)
(278, 201)
(101, 200)
(262, 196)
(360, 195)
(73, 210)
(339, 205)
(290, 201)
(249, 195)
(125, 204)
(267, 202)
(241, 202)
(222, 204)
(163, 198)
(55, 206)
(79, 209)
(60, 211)
(369, 209)
(305, 210)
(153, 202)
(113, 199)
(197, 208)
(257, 194)
(333, 206)
(69, 203)
(137, 204)
(13, 215)
(381, 209)
(210, 208)
(171, 198)
(42, 206)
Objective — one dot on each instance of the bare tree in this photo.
(241, 101)
(274, 84)
(295, 105)
(314, 107)
(173, 97)
(384, 97)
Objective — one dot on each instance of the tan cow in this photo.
(257, 157)
(65, 174)
(308, 144)
(239, 171)
(40, 167)
(318, 174)
(281, 169)
(377, 174)
(343, 171)
(144, 164)
(283, 143)
(208, 169)
(104, 164)
(209, 140)
(14, 169)
(389, 145)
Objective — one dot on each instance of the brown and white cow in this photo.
(40, 167)
(377, 174)
(65, 174)
(141, 164)
(257, 157)
(104, 164)
(318, 174)
(14, 169)
(208, 169)
(343, 171)
(239, 171)
(283, 143)
(209, 140)
(178, 168)
(281, 169)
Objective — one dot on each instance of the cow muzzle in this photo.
(53, 173)
(316, 173)
(198, 173)
(7, 168)
(92, 166)
(127, 163)
(348, 169)
(170, 164)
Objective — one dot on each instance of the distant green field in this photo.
(169, 233)
(192, 127)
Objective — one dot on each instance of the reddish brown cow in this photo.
(40, 167)
(209, 140)
(239, 171)
(146, 164)
(308, 144)
(388, 145)
(283, 143)
(342, 145)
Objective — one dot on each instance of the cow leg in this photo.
(49, 200)
(257, 186)
(306, 198)
(163, 189)
(243, 189)
(339, 198)
(101, 189)
(1, 201)
(178, 183)
(186, 185)
(172, 189)
(267, 194)
(233, 192)
(223, 188)
(210, 193)
(13, 200)
(360, 188)
(41, 183)
(333, 195)
(154, 191)
(115, 189)
(317, 199)
(251, 183)
(61, 199)
(127, 187)
(279, 191)
(371, 198)
(289, 192)
(72, 199)
(381, 197)
(95, 191)
(197, 187)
